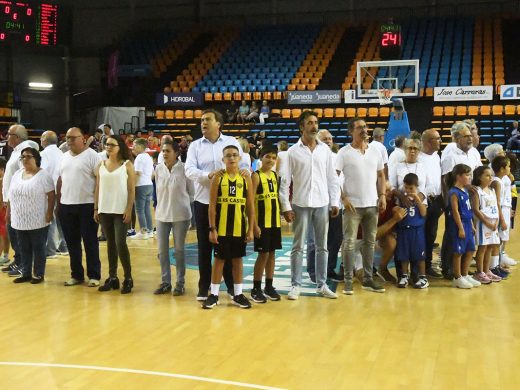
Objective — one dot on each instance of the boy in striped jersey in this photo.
(268, 233)
(230, 198)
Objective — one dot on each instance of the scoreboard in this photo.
(390, 41)
(29, 23)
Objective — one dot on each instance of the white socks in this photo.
(214, 289)
(237, 289)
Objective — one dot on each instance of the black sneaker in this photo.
(164, 288)
(202, 296)
(178, 290)
(433, 274)
(15, 272)
(334, 277)
(210, 302)
(258, 296)
(37, 279)
(403, 281)
(9, 267)
(22, 279)
(241, 301)
(271, 293)
(372, 285)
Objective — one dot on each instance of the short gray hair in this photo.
(491, 151)
(378, 132)
(21, 132)
(409, 141)
(457, 128)
(141, 142)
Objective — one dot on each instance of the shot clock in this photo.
(28, 23)
(390, 41)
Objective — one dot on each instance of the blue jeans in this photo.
(334, 240)
(143, 197)
(367, 218)
(319, 218)
(17, 259)
(32, 247)
(180, 229)
(54, 245)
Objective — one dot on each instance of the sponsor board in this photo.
(349, 96)
(450, 94)
(314, 97)
(179, 99)
(510, 92)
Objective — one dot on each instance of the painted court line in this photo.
(142, 372)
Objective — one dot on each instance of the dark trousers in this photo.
(334, 240)
(33, 247)
(77, 221)
(431, 225)
(447, 248)
(17, 260)
(115, 232)
(205, 248)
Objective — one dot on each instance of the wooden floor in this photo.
(56, 337)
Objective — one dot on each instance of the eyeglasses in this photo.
(72, 137)
(412, 148)
(107, 145)
(234, 155)
(26, 157)
(13, 134)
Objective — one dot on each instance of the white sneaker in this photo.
(151, 234)
(325, 291)
(294, 294)
(506, 260)
(474, 282)
(72, 282)
(141, 236)
(52, 257)
(4, 260)
(93, 283)
(461, 283)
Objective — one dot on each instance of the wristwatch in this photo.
(211, 228)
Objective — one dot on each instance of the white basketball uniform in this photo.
(505, 205)
(488, 207)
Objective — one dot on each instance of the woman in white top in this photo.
(30, 211)
(173, 213)
(143, 189)
(412, 148)
(114, 198)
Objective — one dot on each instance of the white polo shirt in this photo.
(360, 171)
(432, 165)
(143, 165)
(473, 153)
(315, 182)
(78, 179)
(458, 156)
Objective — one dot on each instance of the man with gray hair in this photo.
(378, 138)
(51, 161)
(17, 139)
(473, 152)
(493, 150)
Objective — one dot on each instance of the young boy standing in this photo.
(411, 243)
(230, 198)
(268, 232)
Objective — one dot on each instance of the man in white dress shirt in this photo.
(17, 138)
(397, 154)
(378, 139)
(51, 161)
(203, 162)
(429, 157)
(315, 192)
(473, 152)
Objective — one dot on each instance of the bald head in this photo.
(326, 137)
(431, 141)
(48, 138)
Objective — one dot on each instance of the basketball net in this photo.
(385, 96)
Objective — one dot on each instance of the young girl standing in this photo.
(485, 207)
(461, 226)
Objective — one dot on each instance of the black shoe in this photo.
(178, 290)
(22, 279)
(258, 296)
(210, 302)
(37, 280)
(202, 296)
(110, 284)
(128, 284)
(433, 274)
(313, 278)
(241, 301)
(164, 288)
(271, 293)
(334, 277)
(447, 275)
(9, 267)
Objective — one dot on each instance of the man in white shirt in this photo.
(473, 153)
(429, 157)
(203, 162)
(17, 138)
(378, 139)
(75, 190)
(459, 155)
(364, 190)
(397, 154)
(51, 162)
(315, 190)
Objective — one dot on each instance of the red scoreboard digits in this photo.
(29, 23)
(390, 41)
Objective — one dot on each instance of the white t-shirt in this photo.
(143, 165)
(174, 192)
(505, 191)
(382, 150)
(402, 169)
(395, 158)
(360, 171)
(78, 180)
(51, 161)
(13, 165)
(28, 200)
(432, 164)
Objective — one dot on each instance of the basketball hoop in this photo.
(385, 96)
